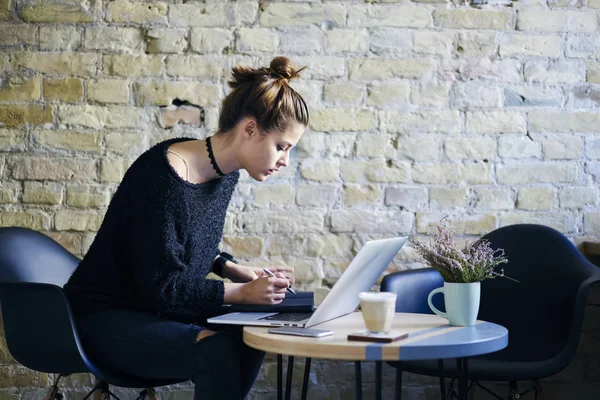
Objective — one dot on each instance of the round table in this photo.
(429, 337)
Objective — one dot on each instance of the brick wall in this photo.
(419, 110)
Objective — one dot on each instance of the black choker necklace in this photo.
(212, 158)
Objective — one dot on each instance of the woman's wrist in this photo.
(234, 293)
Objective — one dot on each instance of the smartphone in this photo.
(288, 330)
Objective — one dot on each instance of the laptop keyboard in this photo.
(288, 317)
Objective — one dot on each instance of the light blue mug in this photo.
(461, 300)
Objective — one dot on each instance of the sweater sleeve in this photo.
(168, 275)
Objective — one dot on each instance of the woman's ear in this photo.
(250, 128)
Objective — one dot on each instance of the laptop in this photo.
(362, 273)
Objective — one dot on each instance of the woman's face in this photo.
(267, 153)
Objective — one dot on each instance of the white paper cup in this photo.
(378, 310)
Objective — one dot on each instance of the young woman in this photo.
(140, 294)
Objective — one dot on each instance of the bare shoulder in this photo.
(177, 162)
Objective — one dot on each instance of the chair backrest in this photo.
(544, 312)
(30, 256)
(412, 288)
(39, 328)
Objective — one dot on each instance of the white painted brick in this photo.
(256, 39)
(490, 122)
(564, 222)
(363, 221)
(477, 68)
(564, 148)
(472, 19)
(591, 222)
(339, 119)
(578, 197)
(536, 198)
(275, 14)
(563, 122)
(205, 15)
(361, 194)
(537, 172)
(388, 95)
(346, 40)
(474, 95)
(511, 146)
(515, 45)
(320, 170)
(407, 197)
(430, 94)
(388, 15)
(582, 46)
(593, 72)
(483, 148)
(307, 41)
(375, 170)
(245, 12)
(388, 41)
(316, 144)
(476, 44)
(592, 148)
(322, 195)
(433, 43)
(374, 145)
(554, 72)
(557, 21)
(442, 198)
(583, 97)
(494, 198)
(280, 222)
(427, 122)
(210, 40)
(321, 67)
(419, 148)
(476, 224)
(372, 69)
(532, 96)
(343, 93)
(273, 196)
(440, 174)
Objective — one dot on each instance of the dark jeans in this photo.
(221, 366)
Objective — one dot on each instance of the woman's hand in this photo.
(242, 274)
(279, 271)
(264, 290)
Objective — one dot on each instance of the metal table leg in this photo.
(461, 366)
(279, 377)
(398, 395)
(442, 379)
(305, 380)
(377, 380)
(288, 380)
(358, 380)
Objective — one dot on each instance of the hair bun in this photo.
(283, 68)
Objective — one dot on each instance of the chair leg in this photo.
(513, 391)
(52, 393)
(101, 392)
(148, 393)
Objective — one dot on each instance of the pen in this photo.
(272, 274)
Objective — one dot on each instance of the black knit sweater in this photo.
(156, 244)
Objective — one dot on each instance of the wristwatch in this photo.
(220, 262)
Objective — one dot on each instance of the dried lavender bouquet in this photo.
(474, 263)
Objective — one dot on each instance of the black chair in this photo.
(543, 313)
(39, 327)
